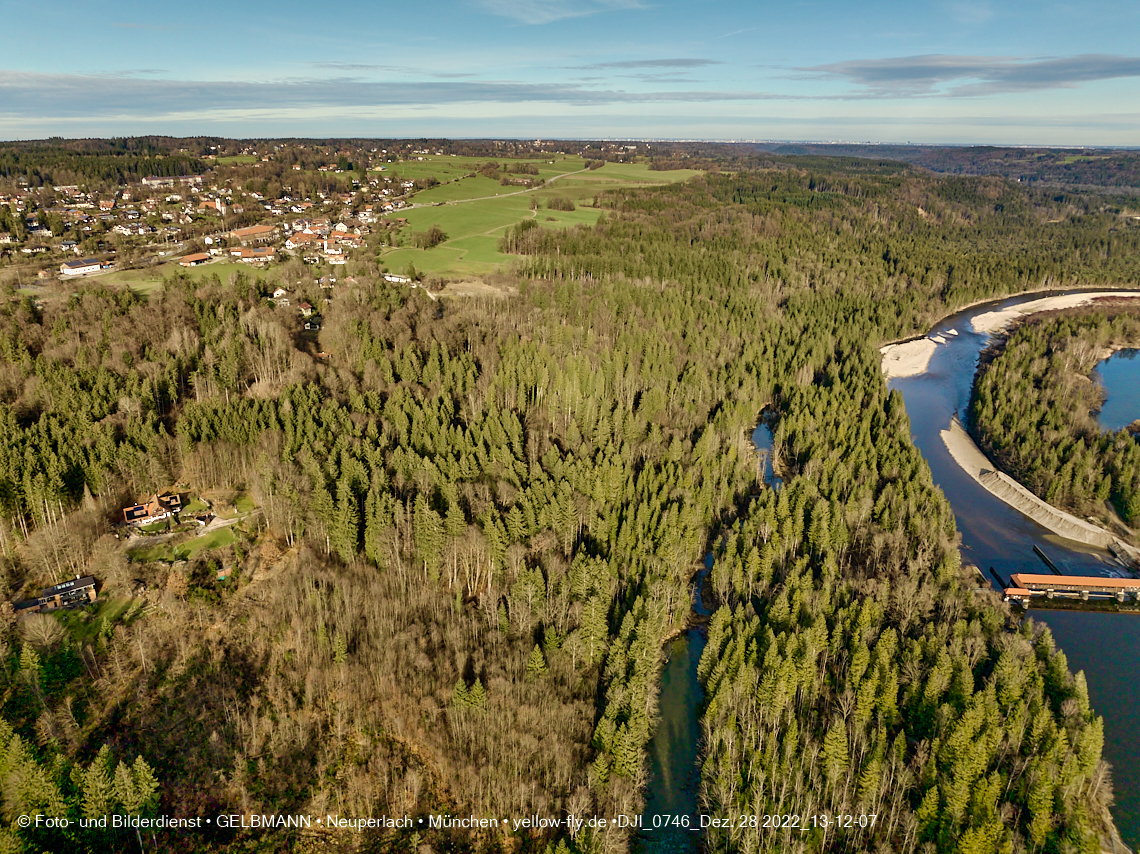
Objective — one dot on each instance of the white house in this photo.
(77, 268)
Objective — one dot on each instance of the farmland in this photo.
(475, 211)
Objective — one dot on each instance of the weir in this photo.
(1000, 525)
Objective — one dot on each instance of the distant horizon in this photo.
(954, 72)
(583, 139)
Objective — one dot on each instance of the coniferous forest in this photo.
(480, 518)
(1034, 406)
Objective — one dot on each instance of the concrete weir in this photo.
(970, 457)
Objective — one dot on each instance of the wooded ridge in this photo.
(478, 519)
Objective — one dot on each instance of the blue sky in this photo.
(967, 71)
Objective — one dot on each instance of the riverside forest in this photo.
(1034, 411)
(465, 525)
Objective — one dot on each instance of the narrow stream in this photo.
(674, 751)
(994, 535)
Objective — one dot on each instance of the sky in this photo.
(959, 72)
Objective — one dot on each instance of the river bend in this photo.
(1104, 646)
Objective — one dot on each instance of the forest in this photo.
(1034, 408)
(479, 518)
(53, 162)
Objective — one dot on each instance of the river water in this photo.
(994, 535)
(1120, 376)
(675, 749)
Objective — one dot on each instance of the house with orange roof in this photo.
(254, 234)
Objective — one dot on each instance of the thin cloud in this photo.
(970, 13)
(650, 63)
(27, 95)
(137, 72)
(738, 32)
(916, 76)
(392, 69)
(549, 11)
(127, 25)
(351, 66)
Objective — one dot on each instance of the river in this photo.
(675, 749)
(1120, 376)
(1104, 646)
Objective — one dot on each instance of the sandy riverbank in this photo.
(998, 321)
(909, 358)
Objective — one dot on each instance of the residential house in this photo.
(254, 234)
(257, 255)
(194, 260)
(75, 593)
(159, 507)
(301, 238)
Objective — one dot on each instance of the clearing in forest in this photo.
(476, 211)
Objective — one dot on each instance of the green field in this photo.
(220, 538)
(474, 212)
(238, 159)
(150, 278)
(448, 168)
(473, 231)
(84, 624)
(474, 224)
(187, 550)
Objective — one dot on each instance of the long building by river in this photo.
(1024, 587)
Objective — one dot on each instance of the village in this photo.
(318, 213)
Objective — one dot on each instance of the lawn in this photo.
(83, 624)
(195, 507)
(188, 550)
(466, 188)
(238, 159)
(448, 168)
(150, 279)
(473, 232)
(628, 175)
(217, 539)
